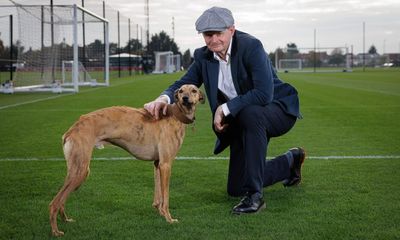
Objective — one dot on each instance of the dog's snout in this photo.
(185, 99)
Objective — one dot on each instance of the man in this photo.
(249, 105)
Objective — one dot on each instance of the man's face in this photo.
(218, 42)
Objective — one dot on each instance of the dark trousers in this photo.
(250, 132)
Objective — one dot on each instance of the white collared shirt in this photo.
(225, 81)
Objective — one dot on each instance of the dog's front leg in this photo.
(157, 200)
(165, 173)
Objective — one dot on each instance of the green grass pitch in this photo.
(351, 180)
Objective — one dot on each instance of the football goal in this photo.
(62, 47)
(336, 59)
(166, 62)
(290, 64)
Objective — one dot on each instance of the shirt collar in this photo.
(228, 53)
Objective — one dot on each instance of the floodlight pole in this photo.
(107, 53)
(42, 41)
(315, 50)
(363, 46)
(11, 47)
(119, 46)
(104, 32)
(53, 63)
(147, 13)
(83, 38)
(129, 46)
(75, 50)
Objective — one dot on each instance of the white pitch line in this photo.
(204, 158)
(60, 95)
(33, 101)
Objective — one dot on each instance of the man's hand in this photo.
(154, 107)
(219, 117)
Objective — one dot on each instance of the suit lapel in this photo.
(212, 75)
(234, 64)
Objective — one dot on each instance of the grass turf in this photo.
(345, 114)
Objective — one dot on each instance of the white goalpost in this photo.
(167, 62)
(62, 47)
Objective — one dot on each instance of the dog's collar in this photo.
(174, 110)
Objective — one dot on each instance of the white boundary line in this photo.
(33, 101)
(203, 158)
(58, 96)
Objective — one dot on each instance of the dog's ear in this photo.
(201, 97)
(176, 95)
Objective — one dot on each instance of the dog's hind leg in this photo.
(55, 206)
(78, 169)
(72, 182)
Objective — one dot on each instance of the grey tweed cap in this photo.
(214, 19)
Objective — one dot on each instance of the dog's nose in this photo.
(185, 99)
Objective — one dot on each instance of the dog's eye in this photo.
(180, 91)
(194, 91)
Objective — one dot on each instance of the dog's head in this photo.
(188, 96)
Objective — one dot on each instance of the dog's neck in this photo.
(175, 111)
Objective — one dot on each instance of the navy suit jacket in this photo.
(254, 78)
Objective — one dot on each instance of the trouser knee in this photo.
(250, 116)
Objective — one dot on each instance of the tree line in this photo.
(158, 42)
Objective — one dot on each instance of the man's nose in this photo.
(214, 37)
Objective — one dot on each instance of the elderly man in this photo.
(250, 104)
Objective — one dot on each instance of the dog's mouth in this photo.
(186, 102)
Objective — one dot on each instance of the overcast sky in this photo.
(338, 23)
(276, 23)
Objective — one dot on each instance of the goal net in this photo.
(290, 64)
(84, 78)
(176, 61)
(163, 62)
(335, 59)
(61, 47)
(167, 62)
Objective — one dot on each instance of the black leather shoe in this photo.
(299, 155)
(251, 203)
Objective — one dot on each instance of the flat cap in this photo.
(214, 19)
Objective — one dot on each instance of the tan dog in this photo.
(134, 130)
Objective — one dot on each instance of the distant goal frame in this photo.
(312, 62)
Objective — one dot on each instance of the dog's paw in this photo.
(99, 146)
(173, 220)
(57, 233)
(69, 220)
(156, 205)
(170, 219)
